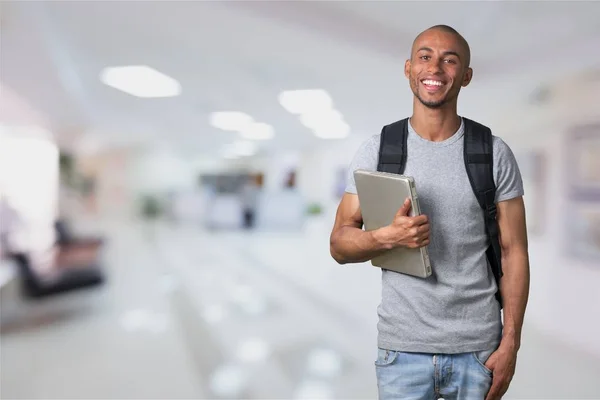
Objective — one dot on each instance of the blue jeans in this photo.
(420, 376)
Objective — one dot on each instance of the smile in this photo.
(432, 85)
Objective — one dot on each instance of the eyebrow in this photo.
(446, 53)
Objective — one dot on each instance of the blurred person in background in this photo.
(290, 182)
(443, 336)
(249, 198)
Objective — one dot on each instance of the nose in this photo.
(434, 67)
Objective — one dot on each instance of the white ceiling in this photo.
(240, 55)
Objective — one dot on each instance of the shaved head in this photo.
(447, 29)
(438, 66)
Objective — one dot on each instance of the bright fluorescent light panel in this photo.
(315, 110)
(305, 101)
(230, 120)
(243, 123)
(140, 81)
(258, 131)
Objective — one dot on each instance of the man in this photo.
(249, 198)
(443, 336)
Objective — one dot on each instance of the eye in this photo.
(450, 61)
(425, 58)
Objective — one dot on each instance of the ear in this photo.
(407, 66)
(467, 77)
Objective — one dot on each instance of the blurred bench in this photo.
(72, 273)
(75, 266)
(65, 237)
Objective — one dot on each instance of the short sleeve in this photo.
(507, 175)
(365, 158)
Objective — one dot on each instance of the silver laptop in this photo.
(381, 195)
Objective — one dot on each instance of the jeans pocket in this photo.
(385, 357)
(480, 358)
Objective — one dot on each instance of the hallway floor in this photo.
(188, 313)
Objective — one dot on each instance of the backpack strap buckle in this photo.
(491, 210)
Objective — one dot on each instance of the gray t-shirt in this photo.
(454, 310)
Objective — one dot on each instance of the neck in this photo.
(436, 124)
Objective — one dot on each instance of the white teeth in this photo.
(430, 82)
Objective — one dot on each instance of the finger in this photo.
(422, 237)
(424, 230)
(491, 362)
(405, 208)
(420, 242)
(494, 390)
(420, 220)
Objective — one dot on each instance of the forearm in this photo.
(514, 287)
(350, 244)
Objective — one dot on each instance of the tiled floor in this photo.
(195, 314)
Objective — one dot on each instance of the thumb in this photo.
(403, 211)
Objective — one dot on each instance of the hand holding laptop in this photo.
(406, 231)
(399, 226)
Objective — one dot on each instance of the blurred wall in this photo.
(28, 176)
(159, 171)
(15, 111)
(564, 283)
(319, 169)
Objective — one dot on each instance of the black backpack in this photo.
(478, 156)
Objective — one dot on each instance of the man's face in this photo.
(437, 68)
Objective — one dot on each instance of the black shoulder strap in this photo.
(478, 155)
(392, 147)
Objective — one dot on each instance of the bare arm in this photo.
(349, 243)
(514, 285)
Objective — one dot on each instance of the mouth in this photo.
(433, 85)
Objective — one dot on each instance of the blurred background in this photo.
(170, 171)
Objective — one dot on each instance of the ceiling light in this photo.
(140, 81)
(305, 101)
(325, 118)
(231, 120)
(337, 133)
(258, 131)
(337, 130)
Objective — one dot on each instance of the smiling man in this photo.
(443, 336)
